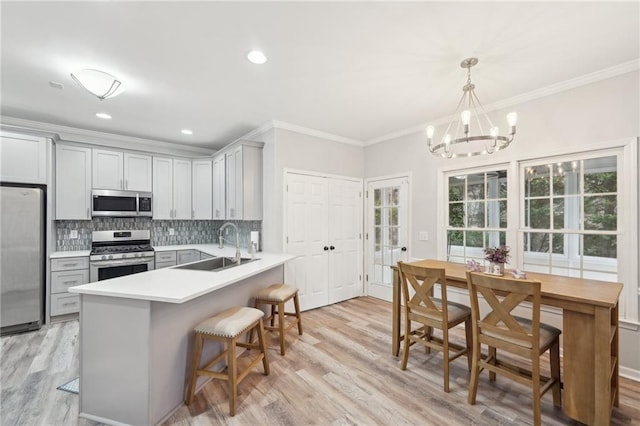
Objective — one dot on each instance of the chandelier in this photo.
(472, 114)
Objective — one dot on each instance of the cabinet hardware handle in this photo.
(69, 304)
(403, 249)
(326, 248)
(193, 214)
(126, 184)
(66, 265)
(121, 184)
(69, 282)
(332, 248)
(88, 213)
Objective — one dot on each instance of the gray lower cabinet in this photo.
(164, 259)
(65, 273)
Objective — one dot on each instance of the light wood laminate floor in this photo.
(340, 372)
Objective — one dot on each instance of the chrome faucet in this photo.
(221, 240)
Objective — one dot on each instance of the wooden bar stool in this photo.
(277, 295)
(226, 327)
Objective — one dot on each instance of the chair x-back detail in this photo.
(502, 329)
(431, 312)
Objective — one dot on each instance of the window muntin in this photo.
(570, 218)
(476, 214)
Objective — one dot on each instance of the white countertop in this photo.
(63, 254)
(174, 285)
(211, 249)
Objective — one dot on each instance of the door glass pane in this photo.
(377, 197)
(378, 235)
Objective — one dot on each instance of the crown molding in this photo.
(72, 134)
(275, 124)
(563, 86)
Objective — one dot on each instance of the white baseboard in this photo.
(629, 373)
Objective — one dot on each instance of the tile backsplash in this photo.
(185, 231)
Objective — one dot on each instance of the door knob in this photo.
(403, 249)
(332, 247)
(326, 248)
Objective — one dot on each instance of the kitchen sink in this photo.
(215, 264)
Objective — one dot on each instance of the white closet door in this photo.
(345, 243)
(306, 236)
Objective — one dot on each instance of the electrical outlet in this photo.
(73, 234)
(423, 236)
(171, 231)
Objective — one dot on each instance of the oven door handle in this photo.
(120, 262)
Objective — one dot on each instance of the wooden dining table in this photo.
(589, 329)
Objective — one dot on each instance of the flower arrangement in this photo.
(497, 254)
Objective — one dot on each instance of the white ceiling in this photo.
(356, 70)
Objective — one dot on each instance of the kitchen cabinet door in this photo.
(162, 188)
(219, 187)
(202, 192)
(73, 182)
(244, 182)
(182, 189)
(137, 172)
(107, 169)
(23, 158)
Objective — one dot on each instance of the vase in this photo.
(496, 268)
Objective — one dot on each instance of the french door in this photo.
(387, 233)
(323, 227)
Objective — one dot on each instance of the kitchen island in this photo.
(136, 334)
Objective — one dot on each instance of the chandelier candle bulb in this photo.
(470, 108)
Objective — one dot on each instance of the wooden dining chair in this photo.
(430, 312)
(501, 330)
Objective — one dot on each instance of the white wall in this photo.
(285, 149)
(575, 119)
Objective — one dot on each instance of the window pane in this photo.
(558, 243)
(558, 213)
(502, 179)
(377, 216)
(537, 182)
(497, 214)
(454, 238)
(600, 175)
(539, 214)
(378, 236)
(475, 187)
(475, 215)
(474, 239)
(456, 215)
(601, 246)
(536, 242)
(600, 212)
(558, 184)
(456, 188)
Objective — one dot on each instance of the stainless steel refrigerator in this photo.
(22, 257)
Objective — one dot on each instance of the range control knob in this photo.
(104, 257)
(110, 257)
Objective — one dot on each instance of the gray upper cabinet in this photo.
(244, 181)
(73, 182)
(121, 170)
(23, 158)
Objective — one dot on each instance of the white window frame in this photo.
(628, 235)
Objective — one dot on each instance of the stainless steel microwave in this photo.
(120, 203)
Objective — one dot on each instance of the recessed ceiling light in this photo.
(256, 57)
(103, 115)
(186, 132)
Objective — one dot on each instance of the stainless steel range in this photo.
(117, 253)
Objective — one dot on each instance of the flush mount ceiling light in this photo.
(256, 57)
(98, 83)
(186, 132)
(103, 115)
(485, 139)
